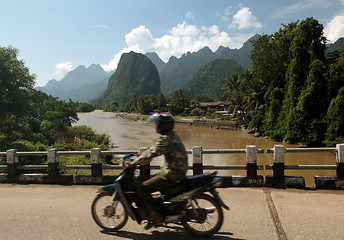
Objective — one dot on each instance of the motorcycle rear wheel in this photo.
(108, 214)
(208, 218)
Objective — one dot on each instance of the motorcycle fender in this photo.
(119, 195)
(108, 188)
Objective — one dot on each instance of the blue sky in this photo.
(55, 37)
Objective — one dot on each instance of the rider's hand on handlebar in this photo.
(128, 163)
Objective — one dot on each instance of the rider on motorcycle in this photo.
(175, 167)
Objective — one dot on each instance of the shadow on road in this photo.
(168, 233)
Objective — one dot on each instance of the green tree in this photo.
(87, 137)
(82, 106)
(111, 106)
(179, 102)
(244, 92)
(16, 84)
(234, 92)
(161, 103)
(142, 104)
(335, 119)
(307, 45)
(270, 58)
(335, 74)
(29, 118)
(145, 104)
(307, 123)
(290, 65)
(131, 106)
(197, 112)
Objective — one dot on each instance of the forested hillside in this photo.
(136, 75)
(83, 84)
(210, 79)
(179, 71)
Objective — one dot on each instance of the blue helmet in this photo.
(164, 121)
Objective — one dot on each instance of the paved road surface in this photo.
(51, 212)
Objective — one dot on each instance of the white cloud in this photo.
(62, 68)
(189, 15)
(101, 26)
(244, 19)
(305, 4)
(181, 39)
(335, 28)
(140, 37)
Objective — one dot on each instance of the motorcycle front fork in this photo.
(115, 199)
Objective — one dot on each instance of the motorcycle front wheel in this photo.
(110, 215)
(204, 216)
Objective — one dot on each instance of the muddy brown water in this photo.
(131, 135)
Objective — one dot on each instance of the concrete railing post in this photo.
(144, 169)
(197, 160)
(96, 162)
(53, 165)
(12, 162)
(340, 160)
(251, 161)
(278, 168)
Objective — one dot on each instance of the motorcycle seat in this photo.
(188, 183)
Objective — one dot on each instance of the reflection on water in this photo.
(130, 135)
(127, 134)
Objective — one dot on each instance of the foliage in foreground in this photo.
(31, 120)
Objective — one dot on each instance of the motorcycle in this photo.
(193, 203)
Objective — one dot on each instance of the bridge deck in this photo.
(63, 212)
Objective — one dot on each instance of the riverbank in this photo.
(188, 121)
(132, 135)
(211, 123)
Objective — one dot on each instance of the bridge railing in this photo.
(321, 182)
(278, 179)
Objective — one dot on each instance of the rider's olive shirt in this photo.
(176, 160)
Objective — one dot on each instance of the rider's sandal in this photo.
(154, 223)
(149, 225)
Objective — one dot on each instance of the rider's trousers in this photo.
(154, 184)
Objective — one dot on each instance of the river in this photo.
(131, 135)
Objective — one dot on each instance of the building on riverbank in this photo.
(211, 106)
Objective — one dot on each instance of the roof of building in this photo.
(210, 104)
